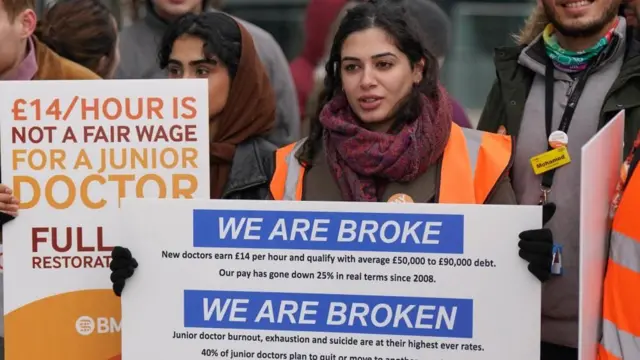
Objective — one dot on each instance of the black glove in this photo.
(122, 266)
(5, 218)
(536, 246)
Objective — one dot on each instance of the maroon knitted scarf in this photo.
(362, 161)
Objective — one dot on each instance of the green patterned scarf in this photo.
(573, 61)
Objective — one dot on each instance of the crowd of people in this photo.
(361, 115)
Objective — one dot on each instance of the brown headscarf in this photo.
(250, 111)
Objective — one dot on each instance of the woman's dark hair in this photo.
(82, 31)
(219, 33)
(390, 16)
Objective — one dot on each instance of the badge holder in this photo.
(556, 260)
(544, 196)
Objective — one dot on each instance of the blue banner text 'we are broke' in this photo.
(314, 230)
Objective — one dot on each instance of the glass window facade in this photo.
(478, 28)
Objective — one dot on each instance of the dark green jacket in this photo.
(506, 100)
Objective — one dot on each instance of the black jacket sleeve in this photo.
(493, 112)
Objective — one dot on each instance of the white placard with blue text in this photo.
(328, 281)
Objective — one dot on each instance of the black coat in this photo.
(251, 170)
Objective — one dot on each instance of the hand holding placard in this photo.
(8, 202)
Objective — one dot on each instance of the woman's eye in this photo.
(202, 72)
(174, 72)
(384, 65)
(350, 67)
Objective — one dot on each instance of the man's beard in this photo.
(582, 30)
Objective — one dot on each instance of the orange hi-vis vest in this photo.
(621, 303)
(472, 164)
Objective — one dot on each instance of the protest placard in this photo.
(599, 176)
(328, 281)
(71, 150)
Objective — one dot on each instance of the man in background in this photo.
(139, 52)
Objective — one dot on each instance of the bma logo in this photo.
(86, 325)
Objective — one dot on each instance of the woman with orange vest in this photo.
(621, 304)
(384, 131)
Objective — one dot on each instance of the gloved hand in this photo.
(5, 218)
(122, 266)
(536, 246)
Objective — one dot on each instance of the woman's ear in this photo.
(29, 21)
(103, 66)
(106, 67)
(418, 70)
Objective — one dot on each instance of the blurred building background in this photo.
(478, 27)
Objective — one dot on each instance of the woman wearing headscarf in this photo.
(213, 46)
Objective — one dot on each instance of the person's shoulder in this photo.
(138, 52)
(136, 39)
(259, 34)
(138, 31)
(265, 151)
(253, 163)
(74, 71)
(509, 54)
(52, 66)
(257, 153)
(263, 145)
(273, 59)
(487, 138)
(459, 115)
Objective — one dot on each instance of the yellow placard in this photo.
(550, 160)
